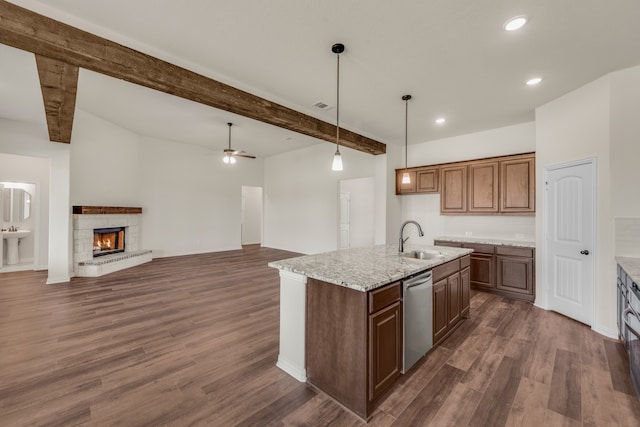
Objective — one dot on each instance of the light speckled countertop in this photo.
(364, 269)
(631, 266)
(519, 243)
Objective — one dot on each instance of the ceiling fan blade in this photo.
(248, 156)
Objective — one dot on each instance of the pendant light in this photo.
(406, 178)
(228, 157)
(337, 48)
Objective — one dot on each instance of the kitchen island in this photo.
(341, 316)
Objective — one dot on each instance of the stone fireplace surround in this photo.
(88, 218)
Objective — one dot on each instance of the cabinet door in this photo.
(405, 188)
(385, 349)
(483, 187)
(439, 310)
(465, 292)
(482, 270)
(517, 185)
(453, 194)
(454, 298)
(515, 274)
(427, 180)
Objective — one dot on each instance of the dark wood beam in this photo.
(59, 84)
(27, 30)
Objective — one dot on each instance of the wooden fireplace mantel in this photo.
(97, 210)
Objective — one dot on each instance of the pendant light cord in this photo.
(406, 127)
(338, 106)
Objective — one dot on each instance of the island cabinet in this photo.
(451, 296)
(353, 342)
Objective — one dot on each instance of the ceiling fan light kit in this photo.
(337, 48)
(231, 154)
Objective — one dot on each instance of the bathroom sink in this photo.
(15, 234)
(12, 238)
(422, 255)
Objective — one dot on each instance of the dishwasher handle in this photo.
(418, 280)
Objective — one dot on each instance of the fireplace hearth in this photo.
(107, 241)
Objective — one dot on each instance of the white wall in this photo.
(425, 208)
(577, 126)
(625, 142)
(104, 163)
(51, 170)
(191, 200)
(301, 196)
(251, 215)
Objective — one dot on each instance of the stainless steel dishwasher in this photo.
(417, 321)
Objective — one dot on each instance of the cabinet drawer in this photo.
(480, 247)
(446, 270)
(464, 262)
(382, 297)
(514, 251)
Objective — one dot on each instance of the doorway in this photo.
(356, 226)
(570, 233)
(251, 225)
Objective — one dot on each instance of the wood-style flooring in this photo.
(193, 340)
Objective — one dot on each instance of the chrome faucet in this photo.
(402, 240)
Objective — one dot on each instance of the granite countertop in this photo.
(365, 269)
(499, 242)
(631, 266)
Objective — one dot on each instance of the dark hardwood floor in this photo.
(194, 340)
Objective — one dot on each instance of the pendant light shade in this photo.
(406, 178)
(337, 48)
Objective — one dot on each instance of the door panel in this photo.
(570, 215)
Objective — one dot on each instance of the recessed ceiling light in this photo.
(534, 81)
(440, 120)
(515, 23)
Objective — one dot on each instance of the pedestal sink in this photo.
(12, 238)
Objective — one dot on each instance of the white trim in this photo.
(298, 373)
(544, 302)
(607, 332)
(61, 279)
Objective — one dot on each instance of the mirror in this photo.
(16, 205)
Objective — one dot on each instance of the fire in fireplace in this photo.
(108, 241)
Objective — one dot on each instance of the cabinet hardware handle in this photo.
(584, 252)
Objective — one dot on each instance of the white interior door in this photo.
(570, 242)
(345, 221)
(251, 224)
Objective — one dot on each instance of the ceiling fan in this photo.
(230, 154)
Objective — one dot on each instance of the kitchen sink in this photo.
(422, 255)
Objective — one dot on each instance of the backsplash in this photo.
(627, 237)
(496, 227)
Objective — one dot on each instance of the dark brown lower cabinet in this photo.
(515, 274)
(385, 347)
(353, 342)
(501, 269)
(440, 323)
(451, 296)
(465, 289)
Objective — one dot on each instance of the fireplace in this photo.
(107, 241)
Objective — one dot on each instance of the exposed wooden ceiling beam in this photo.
(59, 84)
(27, 30)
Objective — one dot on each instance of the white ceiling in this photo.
(452, 56)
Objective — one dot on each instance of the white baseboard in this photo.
(291, 369)
(60, 279)
(607, 332)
